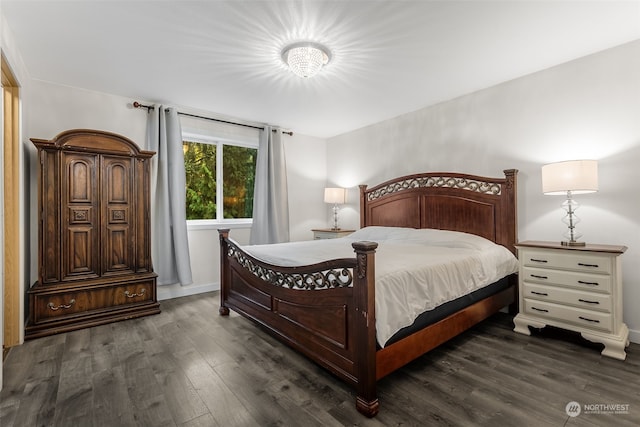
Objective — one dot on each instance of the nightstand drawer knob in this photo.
(538, 260)
(540, 309)
(539, 277)
(582, 282)
(544, 294)
(587, 301)
(582, 264)
(588, 320)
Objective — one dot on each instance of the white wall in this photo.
(587, 108)
(306, 177)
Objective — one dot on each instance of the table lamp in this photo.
(570, 178)
(337, 196)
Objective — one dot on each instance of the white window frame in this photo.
(212, 224)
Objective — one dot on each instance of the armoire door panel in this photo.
(142, 217)
(81, 178)
(117, 180)
(80, 251)
(118, 215)
(80, 262)
(80, 215)
(49, 218)
(117, 250)
(117, 229)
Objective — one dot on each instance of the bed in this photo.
(327, 309)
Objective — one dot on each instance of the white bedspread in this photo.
(416, 270)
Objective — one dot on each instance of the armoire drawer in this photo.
(58, 304)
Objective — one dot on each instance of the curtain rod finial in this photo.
(136, 104)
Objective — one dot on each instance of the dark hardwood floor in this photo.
(190, 367)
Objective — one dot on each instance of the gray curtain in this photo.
(270, 198)
(169, 241)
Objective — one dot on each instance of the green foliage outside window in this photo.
(239, 164)
(200, 170)
(239, 170)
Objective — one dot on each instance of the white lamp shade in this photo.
(577, 176)
(334, 195)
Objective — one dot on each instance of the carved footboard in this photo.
(326, 311)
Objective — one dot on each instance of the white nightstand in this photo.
(330, 233)
(578, 288)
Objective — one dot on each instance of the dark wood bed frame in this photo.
(329, 315)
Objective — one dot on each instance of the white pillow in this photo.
(454, 239)
(427, 236)
(377, 233)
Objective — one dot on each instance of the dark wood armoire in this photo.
(94, 245)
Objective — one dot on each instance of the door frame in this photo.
(10, 238)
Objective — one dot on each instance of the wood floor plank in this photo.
(102, 348)
(182, 398)
(37, 406)
(205, 420)
(40, 387)
(75, 392)
(251, 387)
(110, 404)
(153, 411)
(225, 408)
(142, 389)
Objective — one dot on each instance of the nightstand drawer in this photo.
(590, 300)
(577, 316)
(578, 280)
(574, 261)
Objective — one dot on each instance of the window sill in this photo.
(207, 224)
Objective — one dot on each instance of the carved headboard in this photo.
(448, 201)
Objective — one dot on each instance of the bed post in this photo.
(509, 209)
(224, 271)
(365, 328)
(363, 210)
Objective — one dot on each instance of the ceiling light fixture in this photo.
(306, 59)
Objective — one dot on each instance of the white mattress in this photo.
(416, 270)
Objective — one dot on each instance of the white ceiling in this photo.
(389, 57)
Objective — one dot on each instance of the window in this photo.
(220, 177)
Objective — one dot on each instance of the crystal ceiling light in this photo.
(305, 59)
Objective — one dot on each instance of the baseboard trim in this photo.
(634, 336)
(177, 291)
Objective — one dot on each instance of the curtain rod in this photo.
(136, 104)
